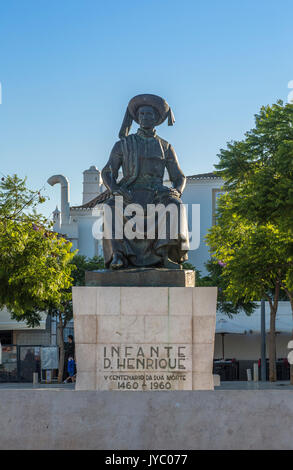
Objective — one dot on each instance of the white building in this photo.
(76, 222)
(202, 189)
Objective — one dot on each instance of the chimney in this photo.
(92, 182)
(65, 208)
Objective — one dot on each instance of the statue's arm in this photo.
(110, 171)
(175, 173)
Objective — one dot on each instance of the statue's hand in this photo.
(124, 193)
(175, 193)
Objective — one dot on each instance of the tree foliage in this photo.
(259, 169)
(35, 267)
(64, 311)
(83, 264)
(255, 259)
(225, 305)
(215, 278)
(254, 256)
(254, 232)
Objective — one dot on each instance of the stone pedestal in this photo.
(144, 338)
(141, 277)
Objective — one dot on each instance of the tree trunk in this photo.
(272, 336)
(291, 303)
(61, 350)
(272, 347)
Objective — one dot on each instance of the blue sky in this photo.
(69, 67)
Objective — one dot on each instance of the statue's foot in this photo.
(168, 264)
(117, 262)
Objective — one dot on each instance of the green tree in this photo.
(226, 306)
(215, 278)
(83, 264)
(258, 172)
(259, 169)
(63, 311)
(37, 266)
(34, 261)
(256, 261)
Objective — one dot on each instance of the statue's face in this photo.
(146, 117)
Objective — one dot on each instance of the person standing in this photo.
(69, 353)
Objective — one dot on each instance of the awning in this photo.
(243, 324)
(226, 325)
(6, 322)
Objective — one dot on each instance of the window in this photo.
(6, 337)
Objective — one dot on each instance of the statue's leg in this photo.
(113, 245)
(117, 262)
(168, 247)
(167, 263)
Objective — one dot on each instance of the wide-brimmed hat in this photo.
(159, 104)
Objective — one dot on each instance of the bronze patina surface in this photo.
(143, 158)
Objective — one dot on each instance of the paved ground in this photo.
(235, 385)
(224, 386)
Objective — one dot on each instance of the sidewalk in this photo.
(30, 386)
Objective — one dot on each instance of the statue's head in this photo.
(147, 117)
(148, 111)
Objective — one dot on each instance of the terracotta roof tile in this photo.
(94, 202)
(200, 176)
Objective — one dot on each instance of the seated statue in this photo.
(143, 157)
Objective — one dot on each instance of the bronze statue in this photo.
(144, 156)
